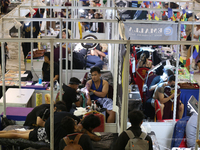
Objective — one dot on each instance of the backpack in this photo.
(72, 144)
(136, 143)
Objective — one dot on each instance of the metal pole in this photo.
(176, 80)
(3, 77)
(66, 68)
(3, 72)
(31, 42)
(19, 53)
(52, 103)
(197, 131)
(192, 46)
(50, 13)
(61, 60)
(72, 36)
(45, 28)
(125, 84)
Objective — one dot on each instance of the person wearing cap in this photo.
(70, 94)
(46, 68)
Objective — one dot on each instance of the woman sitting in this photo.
(143, 61)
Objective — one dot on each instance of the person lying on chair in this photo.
(37, 134)
(99, 90)
(159, 95)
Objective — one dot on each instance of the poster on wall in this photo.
(138, 31)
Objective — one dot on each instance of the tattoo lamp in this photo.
(89, 46)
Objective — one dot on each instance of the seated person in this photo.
(160, 79)
(46, 68)
(191, 129)
(89, 123)
(159, 95)
(92, 57)
(136, 118)
(40, 113)
(59, 131)
(99, 89)
(144, 61)
(70, 94)
(70, 125)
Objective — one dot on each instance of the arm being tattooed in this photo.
(88, 86)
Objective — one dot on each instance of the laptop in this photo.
(193, 105)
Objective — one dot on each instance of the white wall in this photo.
(163, 132)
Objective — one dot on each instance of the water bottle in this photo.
(40, 79)
(95, 105)
(92, 106)
(58, 86)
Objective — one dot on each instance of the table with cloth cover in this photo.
(184, 76)
(185, 96)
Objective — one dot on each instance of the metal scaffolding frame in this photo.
(113, 41)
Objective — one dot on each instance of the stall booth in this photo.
(119, 58)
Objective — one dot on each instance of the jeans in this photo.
(94, 61)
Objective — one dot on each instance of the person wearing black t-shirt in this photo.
(70, 94)
(59, 131)
(46, 68)
(136, 119)
(34, 117)
(41, 113)
(70, 125)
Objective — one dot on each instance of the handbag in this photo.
(36, 54)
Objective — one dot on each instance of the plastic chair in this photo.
(158, 114)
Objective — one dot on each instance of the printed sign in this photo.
(138, 31)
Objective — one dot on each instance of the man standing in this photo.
(70, 94)
(99, 89)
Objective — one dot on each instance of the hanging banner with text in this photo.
(138, 31)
